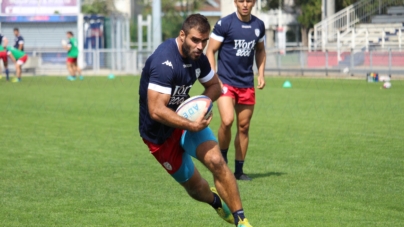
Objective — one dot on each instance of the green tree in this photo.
(309, 13)
(270, 4)
(102, 7)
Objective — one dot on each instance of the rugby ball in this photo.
(387, 85)
(193, 107)
(64, 42)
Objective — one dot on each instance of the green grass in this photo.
(326, 152)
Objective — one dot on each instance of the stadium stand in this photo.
(383, 33)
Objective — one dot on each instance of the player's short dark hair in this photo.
(196, 21)
(70, 33)
(16, 29)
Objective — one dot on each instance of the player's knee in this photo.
(216, 162)
(227, 122)
(244, 127)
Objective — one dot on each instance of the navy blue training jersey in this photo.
(167, 72)
(236, 54)
(18, 40)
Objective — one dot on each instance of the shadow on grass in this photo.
(259, 175)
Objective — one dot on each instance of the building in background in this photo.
(43, 23)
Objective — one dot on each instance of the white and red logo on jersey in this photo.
(243, 47)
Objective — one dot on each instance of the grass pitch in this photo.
(325, 152)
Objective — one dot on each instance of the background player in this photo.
(167, 77)
(19, 58)
(72, 54)
(238, 37)
(18, 40)
(3, 55)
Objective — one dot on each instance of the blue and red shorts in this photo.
(242, 96)
(175, 153)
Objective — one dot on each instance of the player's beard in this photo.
(186, 50)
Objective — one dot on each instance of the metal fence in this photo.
(336, 61)
(295, 60)
(301, 61)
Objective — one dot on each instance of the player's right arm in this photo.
(212, 48)
(158, 110)
(216, 39)
(20, 43)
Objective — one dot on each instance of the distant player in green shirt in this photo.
(19, 58)
(72, 54)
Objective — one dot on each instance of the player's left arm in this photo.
(212, 88)
(260, 59)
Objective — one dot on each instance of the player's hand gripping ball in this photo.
(194, 107)
(64, 42)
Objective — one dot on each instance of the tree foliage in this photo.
(102, 7)
(309, 12)
(341, 4)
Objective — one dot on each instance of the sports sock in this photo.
(7, 74)
(224, 153)
(239, 166)
(216, 201)
(238, 216)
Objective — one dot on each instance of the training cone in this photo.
(111, 76)
(287, 84)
